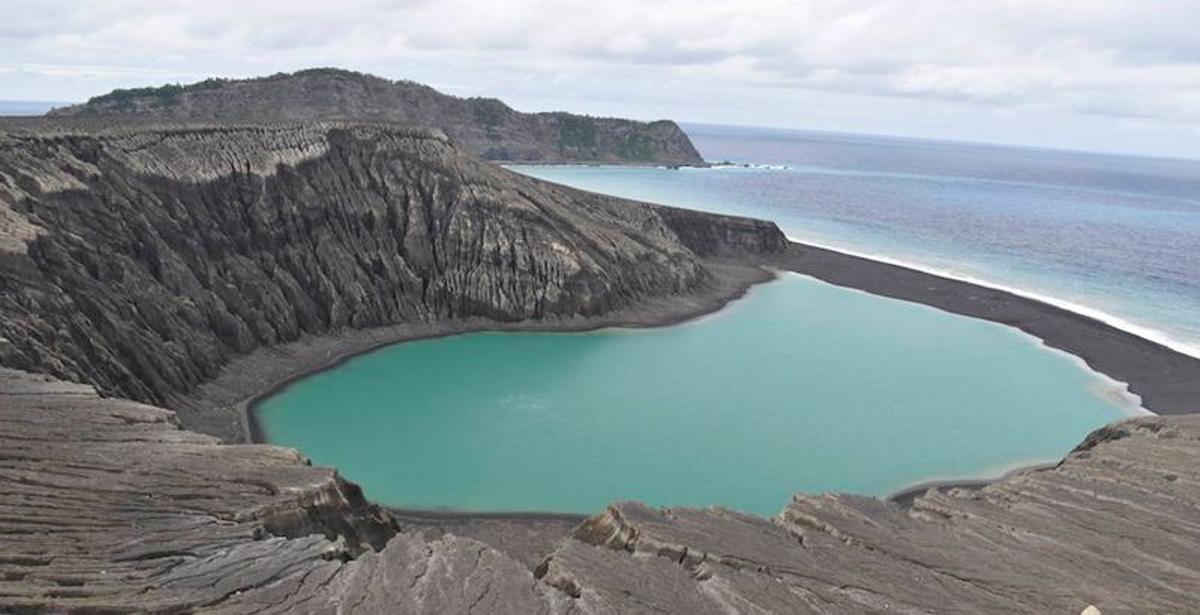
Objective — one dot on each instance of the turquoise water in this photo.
(801, 386)
(1117, 236)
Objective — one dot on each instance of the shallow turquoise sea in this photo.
(800, 386)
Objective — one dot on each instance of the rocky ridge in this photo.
(484, 126)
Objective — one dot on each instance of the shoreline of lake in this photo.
(247, 380)
(1167, 381)
(1057, 328)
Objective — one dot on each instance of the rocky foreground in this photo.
(108, 506)
(484, 126)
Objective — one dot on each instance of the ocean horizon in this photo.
(1115, 237)
(692, 128)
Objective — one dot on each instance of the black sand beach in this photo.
(225, 405)
(1167, 381)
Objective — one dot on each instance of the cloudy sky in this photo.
(1110, 75)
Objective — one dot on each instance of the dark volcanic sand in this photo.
(224, 406)
(1167, 381)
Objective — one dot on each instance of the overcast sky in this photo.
(1107, 75)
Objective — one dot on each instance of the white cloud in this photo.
(1120, 58)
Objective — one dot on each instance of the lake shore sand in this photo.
(225, 405)
(1167, 381)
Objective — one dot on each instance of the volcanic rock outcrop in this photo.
(485, 126)
(109, 507)
(141, 260)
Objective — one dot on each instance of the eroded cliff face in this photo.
(141, 260)
(484, 126)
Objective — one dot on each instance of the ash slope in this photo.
(142, 260)
(485, 126)
(110, 507)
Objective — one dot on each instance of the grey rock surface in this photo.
(485, 126)
(110, 507)
(1114, 525)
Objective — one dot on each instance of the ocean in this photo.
(1115, 237)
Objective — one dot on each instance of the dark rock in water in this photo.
(485, 126)
(109, 507)
(142, 260)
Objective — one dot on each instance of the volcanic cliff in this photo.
(140, 260)
(485, 126)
